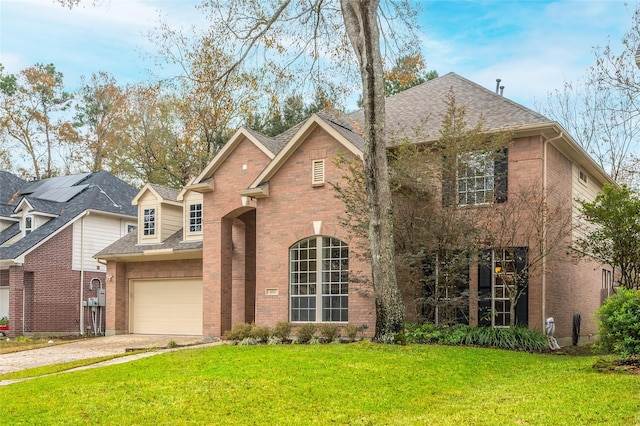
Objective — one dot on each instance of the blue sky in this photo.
(533, 46)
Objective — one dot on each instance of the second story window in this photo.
(478, 178)
(28, 225)
(149, 222)
(195, 217)
(475, 178)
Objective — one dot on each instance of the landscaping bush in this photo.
(329, 332)
(282, 330)
(515, 338)
(239, 331)
(305, 332)
(619, 323)
(261, 333)
(351, 332)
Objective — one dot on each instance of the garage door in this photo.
(166, 307)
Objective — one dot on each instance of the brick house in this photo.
(256, 237)
(49, 231)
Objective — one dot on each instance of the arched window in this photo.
(319, 280)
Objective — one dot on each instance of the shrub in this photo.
(305, 332)
(329, 332)
(239, 331)
(282, 330)
(260, 333)
(351, 331)
(515, 338)
(619, 323)
(274, 340)
(248, 341)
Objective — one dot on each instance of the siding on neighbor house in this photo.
(93, 233)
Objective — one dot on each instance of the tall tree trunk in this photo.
(361, 22)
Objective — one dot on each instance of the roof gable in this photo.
(333, 122)
(161, 193)
(265, 144)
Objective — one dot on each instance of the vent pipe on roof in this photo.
(497, 84)
(501, 90)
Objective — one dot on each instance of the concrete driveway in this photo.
(92, 348)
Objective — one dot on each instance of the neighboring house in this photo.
(256, 237)
(49, 231)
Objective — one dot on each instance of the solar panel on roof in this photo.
(47, 189)
(60, 195)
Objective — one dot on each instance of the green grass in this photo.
(57, 368)
(359, 383)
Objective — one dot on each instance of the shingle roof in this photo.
(9, 186)
(101, 192)
(417, 113)
(127, 245)
(345, 125)
(166, 193)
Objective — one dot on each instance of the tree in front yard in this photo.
(612, 235)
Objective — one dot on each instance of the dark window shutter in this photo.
(484, 288)
(522, 308)
(500, 171)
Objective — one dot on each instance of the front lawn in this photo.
(359, 383)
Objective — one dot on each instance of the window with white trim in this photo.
(476, 178)
(149, 222)
(195, 217)
(582, 176)
(319, 280)
(28, 225)
(317, 178)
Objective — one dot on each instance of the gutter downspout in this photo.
(82, 275)
(544, 227)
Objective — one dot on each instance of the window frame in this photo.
(195, 220)
(29, 223)
(484, 172)
(149, 222)
(503, 267)
(319, 281)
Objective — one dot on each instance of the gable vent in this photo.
(317, 173)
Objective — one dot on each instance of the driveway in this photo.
(92, 348)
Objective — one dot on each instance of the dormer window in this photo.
(28, 225)
(149, 222)
(195, 217)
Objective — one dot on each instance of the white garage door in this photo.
(166, 307)
(4, 302)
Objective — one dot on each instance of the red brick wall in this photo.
(222, 300)
(287, 216)
(572, 286)
(54, 291)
